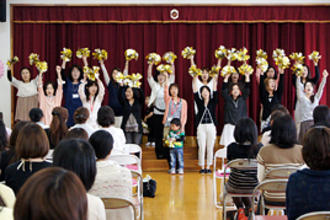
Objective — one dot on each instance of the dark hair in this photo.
(283, 132)
(78, 156)
(280, 107)
(78, 133)
(105, 116)
(231, 87)
(205, 87)
(89, 84)
(308, 70)
(32, 142)
(176, 122)
(52, 193)
(26, 68)
(13, 138)
(316, 148)
(111, 78)
(313, 85)
(275, 72)
(36, 114)
(173, 85)
(49, 83)
(230, 80)
(102, 143)
(58, 128)
(80, 70)
(3, 136)
(81, 115)
(321, 115)
(157, 73)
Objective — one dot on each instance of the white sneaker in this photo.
(148, 144)
(153, 144)
(171, 171)
(180, 171)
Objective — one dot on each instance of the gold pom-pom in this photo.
(261, 54)
(100, 54)
(278, 53)
(281, 60)
(221, 52)
(169, 57)
(33, 58)
(231, 54)
(245, 68)
(153, 58)
(119, 77)
(297, 57)
(262, 64)
(83, 52)
(298, 69)
(134, 80)
(91, 73)
(12, 61)
(214, 72)
(42, 66)
(242, 55)
(188, 52)
(194, 71)
(165, 68)
(315, 56)
(228, 70)
(131, 54)
(66, 54)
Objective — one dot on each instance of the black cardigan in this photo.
(136, 108)
(211, 106)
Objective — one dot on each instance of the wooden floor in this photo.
(181, 197)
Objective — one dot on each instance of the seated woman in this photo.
(57, 129)
(78, 156)
(245, 147)
(80, 117)
(31, 148)
(308, 190)
(57, 194)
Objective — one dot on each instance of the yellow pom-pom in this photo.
(66, 54)
(214, 71)
(231, 54)
(297, 57)
(33, 58)
(194, 71)
(298, 69)
(42, 66)
(188, 52)
(245, 68)
(12, 61)
(153, 58)
(242, 55)
(133, 80)
(99, 54)
(262, 64)
(83, 52)
(221, 52)
(315, 56)
(131, 54)
(165, 68)
(282, 62)
(261, 54)
(119, 77)
(278, 53)
(169, 57)
(228, 70)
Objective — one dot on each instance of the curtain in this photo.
(46, 30)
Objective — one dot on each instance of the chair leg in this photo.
(224, 214)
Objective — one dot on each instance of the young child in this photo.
(148, 119)
(174, 141)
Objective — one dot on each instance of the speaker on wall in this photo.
(2, 10)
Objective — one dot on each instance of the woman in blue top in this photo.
(70, 89)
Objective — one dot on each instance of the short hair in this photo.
(105, 116)
(275, 72)
(36, 114)
(78, 133)
(321, 115)
(246, 131)
(79, 69)
(176, 122)
(276, 114)
(280, 107)
(81, 115)
(231, 87)
(283, 132)
(14, 134)
(316, 148)
(102, 142)
(32, 142)
(52, 193)
(204, 87)
(173, 85)
(78, 156)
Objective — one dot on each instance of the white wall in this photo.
(5, 95)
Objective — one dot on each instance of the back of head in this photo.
(316, 148)
(321, 115)
(102, 143)
(52, 193)
(58, 127)
(77, 133)
(78, 156)
(81, 115)
(3, 136)
(105, 116)
(277, 114)
(36, 114)
(281, 108)
(32, 142)
(246, 131)
(176, 122)
(284, 133)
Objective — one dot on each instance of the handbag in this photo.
(149, 187)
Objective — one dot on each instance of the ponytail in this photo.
(58, 128)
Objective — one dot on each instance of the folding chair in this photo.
(118, 203)
(280, 172)
(321, 215)
(134, 149)
(138, 192)
(277, 186)
(240, 164)
(49, 156)
(132, 162)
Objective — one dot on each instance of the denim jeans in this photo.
(176, 154)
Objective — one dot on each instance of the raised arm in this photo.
(41, 93)
(316, 78)
(192, 62)
(299, 88)
(59, 91)
(258, 74)
(84, 58)
(81, 92)
(105, 73)
(125, 72)
(194, 84)
(280, 87)
(319, 93)
(246, 89)
(224, 90)
(101, 93)
(172, 76)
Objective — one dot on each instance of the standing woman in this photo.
(206, 122)
(157, 85)
(70, 89)
(27, 94)
(235, 106)
(49, 96)
(306, 103)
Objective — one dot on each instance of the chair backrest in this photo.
(118, 203)
(273, 185)
(280, 172)
(243, 164)
(321, 215)
(139, 190)
(132, 162)
(222, 154)
(133, 149)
